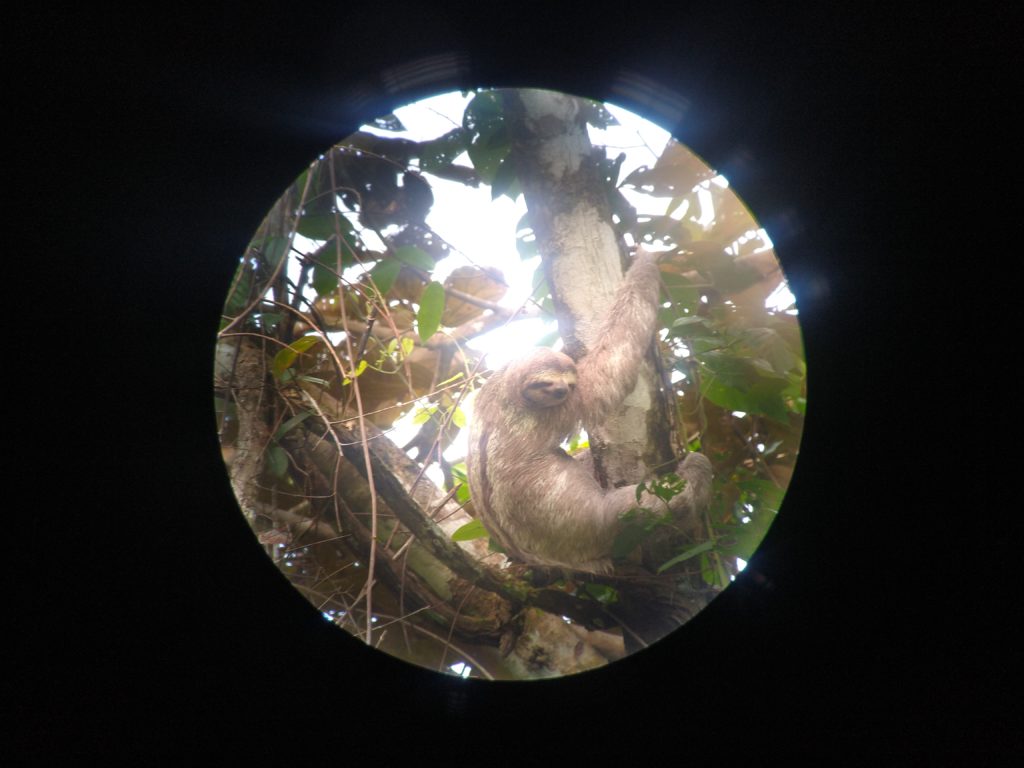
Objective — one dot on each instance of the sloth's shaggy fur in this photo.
(540, 504)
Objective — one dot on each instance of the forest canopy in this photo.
(399, 270)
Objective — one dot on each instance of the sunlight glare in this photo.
(781, 300)
(509, 342)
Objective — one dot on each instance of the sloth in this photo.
(541, 505)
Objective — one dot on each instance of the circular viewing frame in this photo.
(399, 273)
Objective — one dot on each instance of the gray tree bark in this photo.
(583, 260)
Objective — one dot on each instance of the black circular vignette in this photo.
(843, 632)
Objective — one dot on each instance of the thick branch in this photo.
(481, 620)
(390, 468)
(253, 435)
(409, 495)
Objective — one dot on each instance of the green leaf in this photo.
(761, 493)
(743, 384)
(687, 555)
(442, 151)
(627, 540)
(276, 461)
(325, 279)
(414, 257)
(326, 260)
(743, 540)
(484, 118)
(268, 320)
(358, 372)
(384, 274)
(470, 531)
(494, 546)
(602, 593)
(692, 326)
(274, 250)
(289, 425)
(422, 415)
(540, 281)
(505, 179)
(486, 159)
(758, 504)
(318, 227)
(284, 359)
(767, 344)
(485, 113)
(761, 398)
(428, 319)
(712, 571)
(459, 418)
(636, 527)
(667, 487)
(685, 297)
(755, 530)
(459, 471)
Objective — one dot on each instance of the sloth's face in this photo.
(549, 388)
(544, 379)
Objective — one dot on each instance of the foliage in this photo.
(636, 528)
(471, 530)
(340, 282)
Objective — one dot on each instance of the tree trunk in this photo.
(583, 261)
